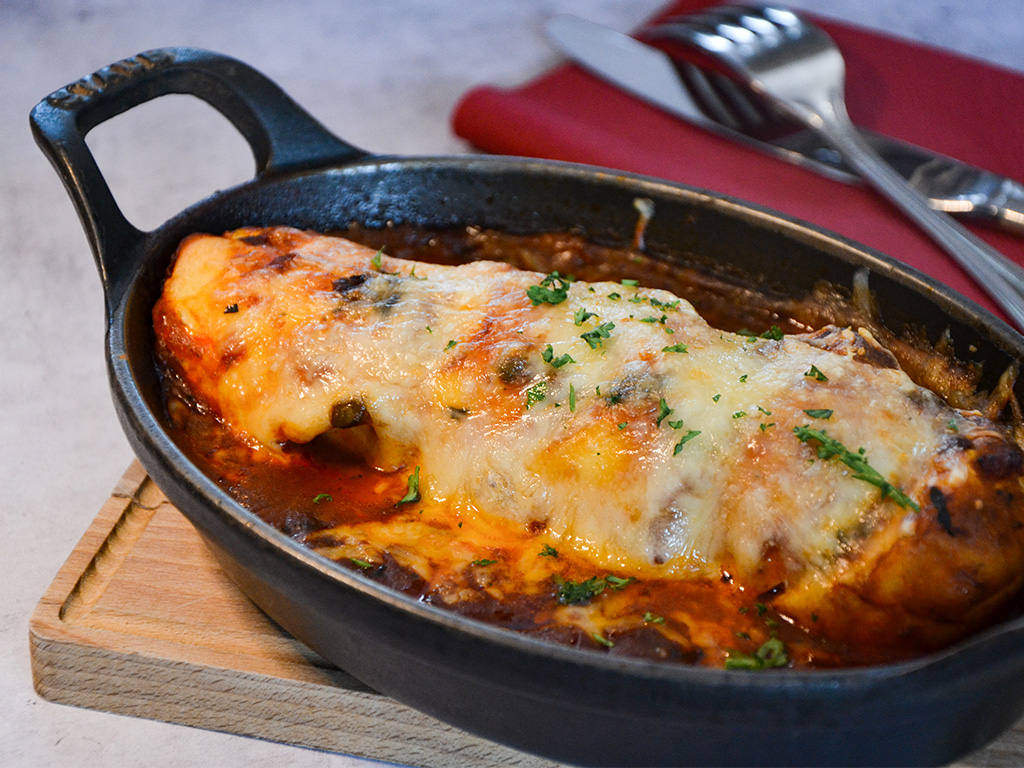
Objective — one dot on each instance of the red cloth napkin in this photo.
(957, 106)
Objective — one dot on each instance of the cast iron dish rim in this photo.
(953, 304)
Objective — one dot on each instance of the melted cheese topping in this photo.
(616, 419)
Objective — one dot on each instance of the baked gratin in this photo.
(591, 462)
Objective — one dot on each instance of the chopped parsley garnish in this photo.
(451, 343)
(602, 640)
(774, 333)
(743, 379)
(553, 289)
(548, 355)
(819, 413)
(685, 439)
(630, 283)
(361, 563)
(622, 424)
(772, 653)
(815, 374)
(675, 348)
(375, 262)
(582, 316)
(739, 414)
(483, 561)
(766, 427)
(320, 498)
(676, 424)
(548, 551)
(952, 426)
(829, 447)
(663, 411)
(575, 592)
(614, 296)
(572, 398)
(413, 494)
(230, 309)
(536, 393)
(716, 398)
(595, 337)
(650, 618)
(764, 411)
(618, 583)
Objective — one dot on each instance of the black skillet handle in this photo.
(283, 136)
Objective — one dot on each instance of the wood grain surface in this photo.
(141, 621)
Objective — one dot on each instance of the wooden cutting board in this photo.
(141, 621)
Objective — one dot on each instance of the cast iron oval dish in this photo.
(571, 705)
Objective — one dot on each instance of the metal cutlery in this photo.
(716, 103)
(798, 69)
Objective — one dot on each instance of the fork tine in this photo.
(706, 95)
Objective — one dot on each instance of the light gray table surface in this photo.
(384, 75)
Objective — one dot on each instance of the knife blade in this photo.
(649, 73)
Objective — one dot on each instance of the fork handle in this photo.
(995, 273)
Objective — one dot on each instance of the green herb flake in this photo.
(320, 498)
(743, 379)
(572, 398)
(739, 414)
(630, 283)
(716, 398)
(651, 618)
(952, 426)
(685, 439)
(675, 348)
(548, 355)
(595, 338)
(365, 564)
(774, 333)
(376, 261)
(571, 592)
(483, 562)
(676, 424)
(663, 411)
(548, 551)
(819, 413)
(622, 424)
(602, 640)
(771, 654)
(765, 427)
(536, 393)
(451, 344)
(553, 289)
(814, 373)
(617, 583)
(582, 316)
(829, 447)
(413, 494)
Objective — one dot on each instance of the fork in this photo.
(793, 67)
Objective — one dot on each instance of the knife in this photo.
(647, 72)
